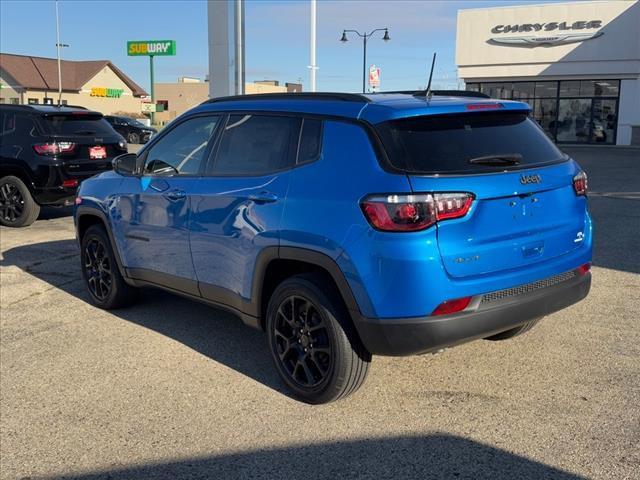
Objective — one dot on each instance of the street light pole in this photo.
(58, 45)
(365, 36)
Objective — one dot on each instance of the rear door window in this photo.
(78, 125)
(450, 144)
(257, 145)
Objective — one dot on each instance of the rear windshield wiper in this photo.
(499, 160)
(84, 132)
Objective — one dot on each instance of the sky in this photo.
(276, 37)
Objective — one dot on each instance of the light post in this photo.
(365, 36)
(58, 47)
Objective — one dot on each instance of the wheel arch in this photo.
(85, 217)
(20, 172)
(276, 264)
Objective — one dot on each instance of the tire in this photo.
(514, 332)
(107, 289)
(17, 206)
(133, 138)
(312, 343)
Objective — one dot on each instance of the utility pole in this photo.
(312, 48)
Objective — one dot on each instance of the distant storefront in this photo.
(177, 98)
(97, 85)
(577, 65)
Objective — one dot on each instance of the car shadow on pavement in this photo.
(398, 457)
(212, 332)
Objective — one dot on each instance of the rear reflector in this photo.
(410, 213)
(584, 269)
(54, 148)
(452, 306)
(580, 183)
(70, 183)
(484, 106)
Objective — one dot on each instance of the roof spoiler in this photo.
(440, 93)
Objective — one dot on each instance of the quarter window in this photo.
(257, 145)
(310, 141)
(180, 151)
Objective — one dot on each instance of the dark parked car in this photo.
(131, 129)
(45, 152)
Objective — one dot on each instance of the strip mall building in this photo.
(577, 64)
(97, 84)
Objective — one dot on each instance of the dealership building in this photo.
(577, 64)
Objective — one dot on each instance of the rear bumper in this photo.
(55, 196)
(409, 336)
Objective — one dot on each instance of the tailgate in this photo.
(525, 209)
(510, 224)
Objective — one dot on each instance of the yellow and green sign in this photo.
(106, 92)
(151, 48)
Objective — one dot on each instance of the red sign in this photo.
(374, 77)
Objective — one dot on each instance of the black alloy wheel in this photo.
(17, 206)
(302, 342)
(97, 265)
(11, 202)
(314, 347)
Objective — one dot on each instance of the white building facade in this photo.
(577, 64)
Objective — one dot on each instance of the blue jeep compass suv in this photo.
(346, 225)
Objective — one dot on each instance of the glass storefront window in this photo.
(472, 87)
(589, 88)
(544, 113)
(523, 90)
(546, 89)
(569, 111)
(573, 120)
(604, 120)
(606, 88)
(497, 90)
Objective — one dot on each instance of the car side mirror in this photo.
(125, 164)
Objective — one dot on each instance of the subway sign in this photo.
(151, 47)
(106, 92)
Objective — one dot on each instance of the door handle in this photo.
(263, 197)
(175, 195)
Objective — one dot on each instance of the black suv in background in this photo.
(131, 129)
(45, 152)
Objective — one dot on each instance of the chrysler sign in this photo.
(548, 34)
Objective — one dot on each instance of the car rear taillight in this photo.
(580, 183)
(410, 213)
(70, 183)
(584, 269)
(54, 148)
(452, 306)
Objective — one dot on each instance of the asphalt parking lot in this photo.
(175, 389)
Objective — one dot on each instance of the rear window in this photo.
(446, 144)
(77, 125)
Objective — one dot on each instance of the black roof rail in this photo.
(344, 97)
(442, 93)
(36, 106)
(16, 105)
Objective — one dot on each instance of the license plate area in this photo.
(97, 152)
